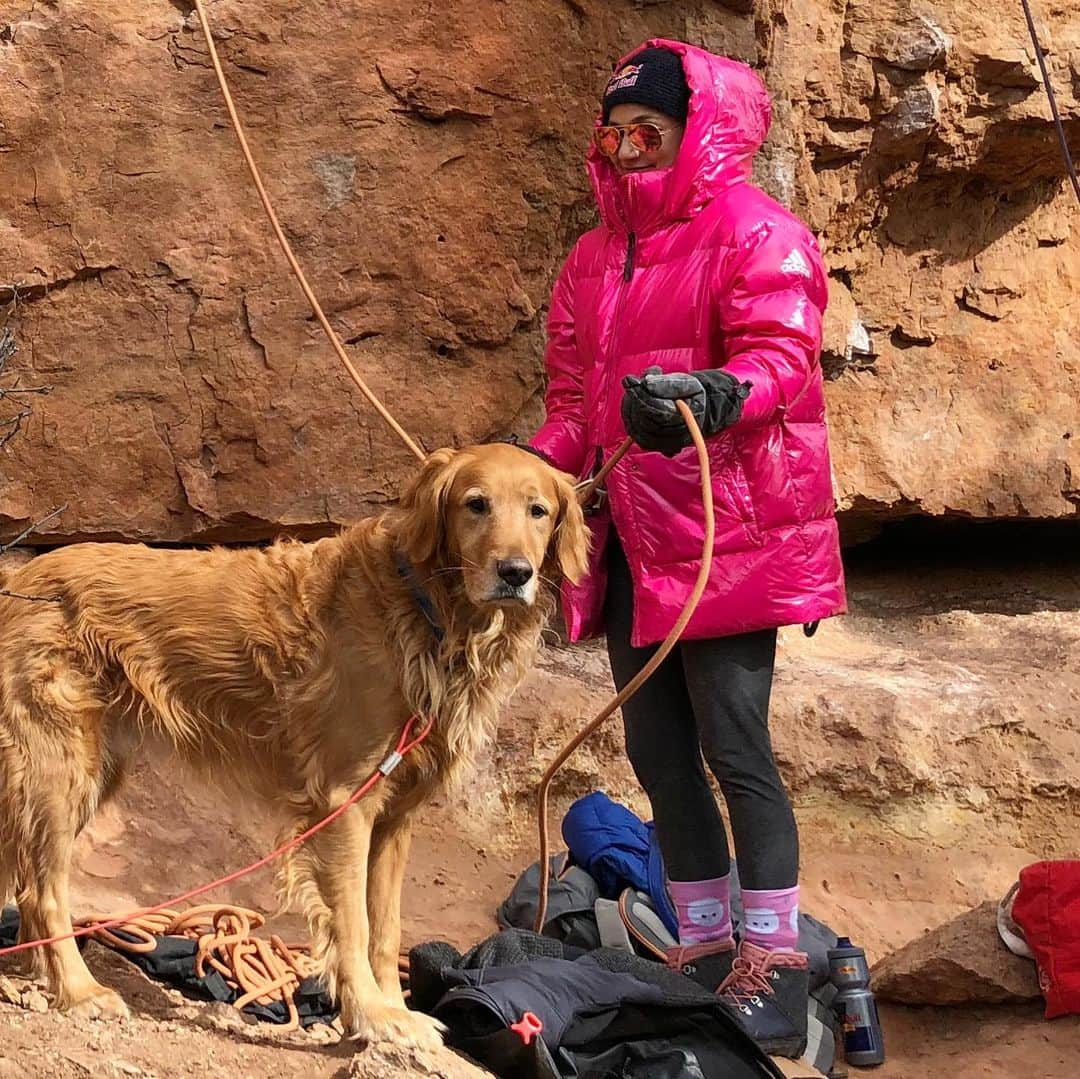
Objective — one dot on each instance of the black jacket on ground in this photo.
(606, 1014)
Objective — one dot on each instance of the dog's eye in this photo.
(477, 505)
(536, 510)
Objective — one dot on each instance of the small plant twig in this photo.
(12, 426)
(29, 599)
(4, 547)
(7, 391)
(8, 347)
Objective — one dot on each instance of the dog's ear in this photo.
(570, 541)
(422, 509)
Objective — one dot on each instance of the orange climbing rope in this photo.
(649, 669)
(406, 742)
(262, 971)
(286, 247)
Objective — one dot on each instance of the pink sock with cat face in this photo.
(704, 909)
(771, 919)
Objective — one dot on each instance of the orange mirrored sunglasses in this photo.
(645, 138)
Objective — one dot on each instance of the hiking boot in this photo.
(768, 992)
(708, 964)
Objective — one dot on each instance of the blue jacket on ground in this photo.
(619, 851)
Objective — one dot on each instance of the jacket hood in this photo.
(727, 121)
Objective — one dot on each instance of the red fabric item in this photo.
(1047, 909)
(716, 275)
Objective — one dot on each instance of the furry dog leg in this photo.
(339, 863)
(52, 773)
(43, 906)
(389, 852)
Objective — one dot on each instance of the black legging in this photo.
(708, 697)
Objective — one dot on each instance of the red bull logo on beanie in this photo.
(625, 77)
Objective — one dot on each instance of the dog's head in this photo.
(500, 517)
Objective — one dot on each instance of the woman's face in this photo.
(629, 158)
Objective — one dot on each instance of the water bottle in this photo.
(855, 1007)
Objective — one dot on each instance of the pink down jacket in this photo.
(694, 268)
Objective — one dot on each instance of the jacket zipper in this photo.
(627, 276)
(631, 247)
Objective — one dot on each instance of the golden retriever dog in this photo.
(287, 674)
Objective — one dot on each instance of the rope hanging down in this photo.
(361, 385)
(1066, 155)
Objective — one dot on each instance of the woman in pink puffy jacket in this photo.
(698, 286)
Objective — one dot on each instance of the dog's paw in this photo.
(102, 1003)
(395, 998)
(381, 1023)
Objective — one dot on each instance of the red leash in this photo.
(406, 742)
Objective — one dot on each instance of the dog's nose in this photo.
(514, 571)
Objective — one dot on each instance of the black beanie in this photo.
(653, 77)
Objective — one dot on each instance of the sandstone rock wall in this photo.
(425, 160)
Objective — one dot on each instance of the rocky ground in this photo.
(928, 739)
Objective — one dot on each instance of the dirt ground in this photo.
(170, 1038)
(453, 887)
(938, 819)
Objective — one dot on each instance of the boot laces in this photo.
(746, 984)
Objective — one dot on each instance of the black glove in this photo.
(653, 421)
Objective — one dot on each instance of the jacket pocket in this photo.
(664, 509)
(726, 464)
